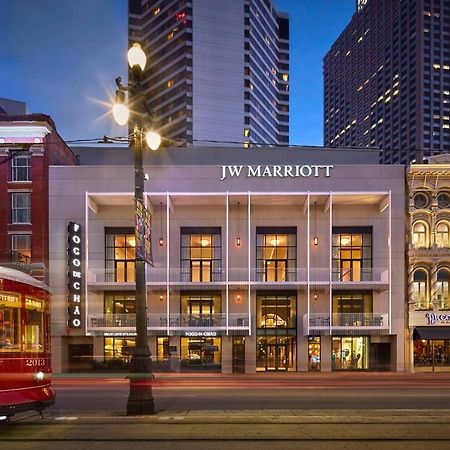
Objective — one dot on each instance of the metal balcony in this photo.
(365, 278)
(174, 323)
(346, 323)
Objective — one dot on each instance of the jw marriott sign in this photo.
(275, 171)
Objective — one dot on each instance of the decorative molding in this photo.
(442, 215)
(17, 130)
(420, 215)
(37, 150)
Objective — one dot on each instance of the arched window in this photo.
(442, 234)
(443, 277)
(420, 289)
(420, 235)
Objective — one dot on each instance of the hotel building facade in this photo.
(263, 260)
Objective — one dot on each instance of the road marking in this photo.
(171, 418)
(66, 418)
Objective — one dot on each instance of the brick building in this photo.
(29, 143)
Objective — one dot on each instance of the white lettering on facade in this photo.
(277, 171)
(74, 275)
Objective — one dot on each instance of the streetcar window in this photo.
(9, 328)
(34, 325)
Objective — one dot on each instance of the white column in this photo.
(167, 261)
(330, 261)
(390, 262)
(249, 268)
(86, 260)
(227, 205)
(308, 262)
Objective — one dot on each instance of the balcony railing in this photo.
(298, 275)
(348, 323)
(15, 259)
(369, 274)
(218, 321)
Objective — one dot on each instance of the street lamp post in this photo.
(140, 399)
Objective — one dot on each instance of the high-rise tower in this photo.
(216, 71)
(387, 80)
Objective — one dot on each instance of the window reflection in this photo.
(120, 251)
(420, 235)
(276, 255)
(420, 289)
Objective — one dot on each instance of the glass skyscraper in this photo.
(216, 71)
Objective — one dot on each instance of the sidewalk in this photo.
(268, 429)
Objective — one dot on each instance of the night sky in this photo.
(61, 58)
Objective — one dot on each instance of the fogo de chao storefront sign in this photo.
(74, 277)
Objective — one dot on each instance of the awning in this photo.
(431, 333)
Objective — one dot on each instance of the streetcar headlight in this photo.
(39, 376)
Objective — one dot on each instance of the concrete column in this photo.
(227, 354)
(250, 354)
(56, 354)
(175, 357)
(325, 354)
(302, 353)
(98, 348)
(152, 343)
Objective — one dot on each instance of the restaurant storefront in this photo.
(430, 341)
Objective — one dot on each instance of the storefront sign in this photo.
(119, 333)
(296, 171)
(74, 278)
(200, 333)
(9, 298)
(440, 319)
(32, 303)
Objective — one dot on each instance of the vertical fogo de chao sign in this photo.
(74, 279)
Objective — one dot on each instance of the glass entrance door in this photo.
(275, 353)
(276, 357)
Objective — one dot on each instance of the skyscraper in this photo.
(216, 71)
(387, 80)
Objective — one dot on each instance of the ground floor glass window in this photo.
(432, 354)
(201, 353)
(350, 353)
(313, 353)
(119, 347)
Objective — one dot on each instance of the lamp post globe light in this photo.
(140, 399)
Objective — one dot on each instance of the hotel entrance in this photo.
(275, 353)
(276, 332)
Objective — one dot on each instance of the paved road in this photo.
(83, 395)
(289, 411)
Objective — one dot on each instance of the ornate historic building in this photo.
(429, 264)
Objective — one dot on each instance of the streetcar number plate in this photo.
(35, 362)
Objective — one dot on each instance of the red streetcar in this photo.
(25, 372)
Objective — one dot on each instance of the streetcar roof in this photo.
(20, 277)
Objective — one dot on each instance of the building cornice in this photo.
(23, 130)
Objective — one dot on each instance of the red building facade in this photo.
(29, 144)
